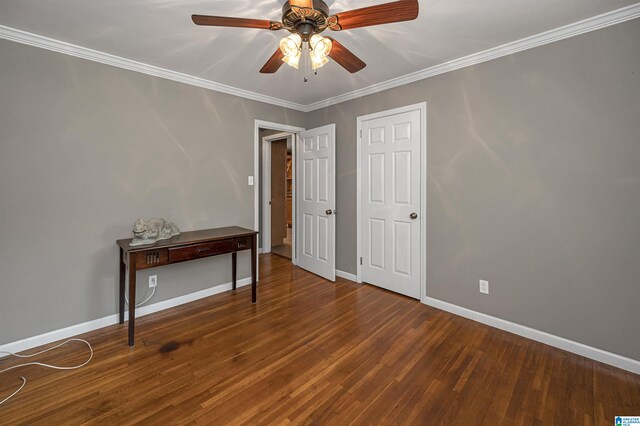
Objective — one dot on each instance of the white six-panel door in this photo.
(390, 202)
(316, 201)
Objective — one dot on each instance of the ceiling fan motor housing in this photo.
(305, 21)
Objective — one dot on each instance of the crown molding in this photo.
(31, 39)
(590, 24)
(557, 34)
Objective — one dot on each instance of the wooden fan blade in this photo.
(302, 3)
(344, 57)
(274, 63)
(387, 13)
(224, 21)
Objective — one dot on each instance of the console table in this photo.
(181, 248)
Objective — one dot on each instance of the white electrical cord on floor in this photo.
(144, 301)
(55, 367)
(24, 382)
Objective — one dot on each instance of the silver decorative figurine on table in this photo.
(153, 230)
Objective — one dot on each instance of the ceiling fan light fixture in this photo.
(291, 45)
(292, 61)
(291, 48)
(317, 62)
(320, 47)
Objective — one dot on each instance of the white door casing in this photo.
(391, 214)
(316, 200)
(257, 125)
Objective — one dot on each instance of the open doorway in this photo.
(264, 133)
(313, 202)
(277, 193)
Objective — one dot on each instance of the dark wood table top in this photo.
(190, 237)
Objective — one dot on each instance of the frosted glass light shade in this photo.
(292, 61)
(317, 62)
(320, 46)
(291, 45)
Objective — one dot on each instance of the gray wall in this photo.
(533, 184)
(85, 149)
(533, 164)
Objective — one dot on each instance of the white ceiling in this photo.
(160, 33)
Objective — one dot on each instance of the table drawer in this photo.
(151, 259)
(199, 250)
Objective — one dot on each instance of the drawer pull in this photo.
(202, 250)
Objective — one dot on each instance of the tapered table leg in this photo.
(234, 267)
(121, 260)
(254, 259)
(132, 298)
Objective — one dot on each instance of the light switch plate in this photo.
(250, 180)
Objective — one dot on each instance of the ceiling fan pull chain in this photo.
(304, 53)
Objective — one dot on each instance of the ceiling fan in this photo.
(306, 19)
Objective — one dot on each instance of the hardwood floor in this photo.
(283, 250)
(315, 352)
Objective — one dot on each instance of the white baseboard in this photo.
(596, 354)
(346, 275)
(64, 333)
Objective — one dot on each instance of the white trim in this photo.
(257, 125)
(590, 24)
(422, 107)
(346, 275)
(294, 200)
(31, 39)
(266, 187)
(74, 330)
(539, 336)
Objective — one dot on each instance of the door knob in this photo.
(413, 215)
(329, 212)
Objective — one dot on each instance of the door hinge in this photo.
(361, 133)
(360, 261)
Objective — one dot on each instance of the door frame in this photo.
(268, 125)
(266, 188)
(422, 107)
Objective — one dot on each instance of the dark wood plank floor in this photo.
(314, 352)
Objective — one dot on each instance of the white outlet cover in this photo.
(484, 286)
(153, 280)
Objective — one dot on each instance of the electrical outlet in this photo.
(484, 286)
(153, 281)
